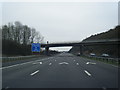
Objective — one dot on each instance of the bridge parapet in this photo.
(81, 44)
(115, 41)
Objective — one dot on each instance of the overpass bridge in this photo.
(81, 44)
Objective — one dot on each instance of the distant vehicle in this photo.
(78, 54)
(92, 54)
(105, 55)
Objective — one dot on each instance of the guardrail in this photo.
(106, 59)
(6, 59)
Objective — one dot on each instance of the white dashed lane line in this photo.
(87, 73)
(40, 62)
(34, 73)
(77, 63)
(50, 63)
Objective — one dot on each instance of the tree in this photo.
(5, 32)
(17, 38)
(33, 34)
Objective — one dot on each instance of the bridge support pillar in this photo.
(81, 49)
(47, 50)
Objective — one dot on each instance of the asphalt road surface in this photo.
(61, 71)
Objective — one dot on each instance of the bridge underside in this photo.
(47, 48)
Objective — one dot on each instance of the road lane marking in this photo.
(115, 66)
(50, 63)
(77, 63)
(90, 63)
(34, 73)
(34, 63)
(93, 63)
(40, 62)
(45, 59)
(23, 63)
(87, 63)
(87, 72)
(16, 65)
(63, 63)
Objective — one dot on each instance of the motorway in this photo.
(64, 70)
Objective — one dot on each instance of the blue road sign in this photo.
(35, 47)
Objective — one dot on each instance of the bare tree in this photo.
(33, 34)
(17, 38)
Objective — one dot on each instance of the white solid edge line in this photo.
(87, 73)
(16, 65)
(34, 73)
(20, 64)
(115, 66)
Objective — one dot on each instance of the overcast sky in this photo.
(59, 22)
